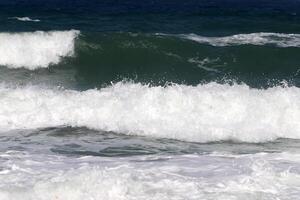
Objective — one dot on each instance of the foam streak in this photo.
(277, 39)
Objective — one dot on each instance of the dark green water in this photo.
(150, 58)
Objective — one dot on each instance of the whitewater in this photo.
(158, 177)
(203, 113)
(33, 50)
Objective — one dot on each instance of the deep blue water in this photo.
(221, 17)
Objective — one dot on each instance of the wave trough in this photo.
(203, 113)
(33, 50)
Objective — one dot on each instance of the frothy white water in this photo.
(26, 19)
(203, 113)
(262, 176)
(277, 39)
(33, 50)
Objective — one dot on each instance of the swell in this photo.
(202, 113)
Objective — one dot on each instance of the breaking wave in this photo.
(33, 50)
(203, 113)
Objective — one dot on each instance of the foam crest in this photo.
(33, 50)
(26, 19)
(203, 113)
(277, 39)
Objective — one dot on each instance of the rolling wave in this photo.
(33, 50)
(99, 58)
(203, 113)
(40, 49)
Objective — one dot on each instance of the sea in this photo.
(149, 99)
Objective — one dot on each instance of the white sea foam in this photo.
(44, 177)
(203, 113)
(34, 50)
(26, 19)
(277, 39)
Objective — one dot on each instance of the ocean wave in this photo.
(26, 19)
(203, 113)
(277, 39)
(33, 50)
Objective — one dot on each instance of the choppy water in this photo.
(149, 100)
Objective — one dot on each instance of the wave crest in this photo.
(33, 50)
(277, 39)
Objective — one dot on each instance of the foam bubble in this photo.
(277, 39)
(33, 50)
(203, 113)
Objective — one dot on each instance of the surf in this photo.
(203, 113)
